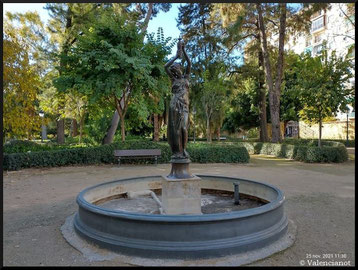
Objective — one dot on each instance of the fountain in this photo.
(181, 216)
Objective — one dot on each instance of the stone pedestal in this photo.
(181, 196)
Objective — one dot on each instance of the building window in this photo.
(308, 41)
(318, 38)
(317, 50)
(317, 24)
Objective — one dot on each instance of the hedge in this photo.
(19, 146)
(199, 153)
(329, 152)
(204, 153)
(314, 142)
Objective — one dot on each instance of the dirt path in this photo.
(319, 199)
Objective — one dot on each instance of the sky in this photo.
(165, 20)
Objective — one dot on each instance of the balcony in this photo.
(318, 24)
(317, 50)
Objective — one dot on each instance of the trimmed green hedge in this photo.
(228, 152)
(314, 142)
(207, 153)
(329, 152)
(19, 146)
(204, 153)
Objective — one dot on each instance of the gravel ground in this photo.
(319, 199)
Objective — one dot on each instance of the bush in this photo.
(207, 153)
(19, 146)
(314, 142)
(202, 153)
(253, 133)
(329, 152)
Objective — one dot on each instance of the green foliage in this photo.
(230, 152)
(290, 102)
(253, 133)
(206, 153)
(330, 152)
(321, 82)
(210, 87)
(244, 107)
(202, 153)
(314, 142)
(113, 67)
(19, 146)
(107, 57)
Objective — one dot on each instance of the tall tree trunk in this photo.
(156, 127)
(147, 17)
(319, 132)
(276, 131)
(61, 131)
(208, 130)
(65, 48)
(262, 102)
(111, 131)
(82, 122)
(218, 134)
(74, 128)
(121, 106)
(274, 92)
(123, 129)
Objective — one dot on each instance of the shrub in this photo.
(202, 153)
(207, 153)
(253, 133)
(302, 151)
(19, 146)
(314, 142)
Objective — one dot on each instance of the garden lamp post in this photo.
(194, 112)
(43, 127)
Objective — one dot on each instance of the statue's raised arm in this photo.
(171, 61)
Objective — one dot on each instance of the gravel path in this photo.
(319, 199)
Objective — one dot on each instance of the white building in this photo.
(333, 28)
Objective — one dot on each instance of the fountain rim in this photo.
(182, 218)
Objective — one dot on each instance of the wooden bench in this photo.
(138, 153)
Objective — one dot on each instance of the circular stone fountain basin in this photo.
(181, 236)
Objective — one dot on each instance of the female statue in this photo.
(179, 104)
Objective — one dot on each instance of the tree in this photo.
(210, 64)
(67, 23)
(290, 103)
(158, 48)
(111, 63)
(274, 90)
(214, 97)
(141, 15)
(245, 26)
(21, 83)
(246, 98)
(241, 29)
(322, 85)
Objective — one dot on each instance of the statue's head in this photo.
(175, 69)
